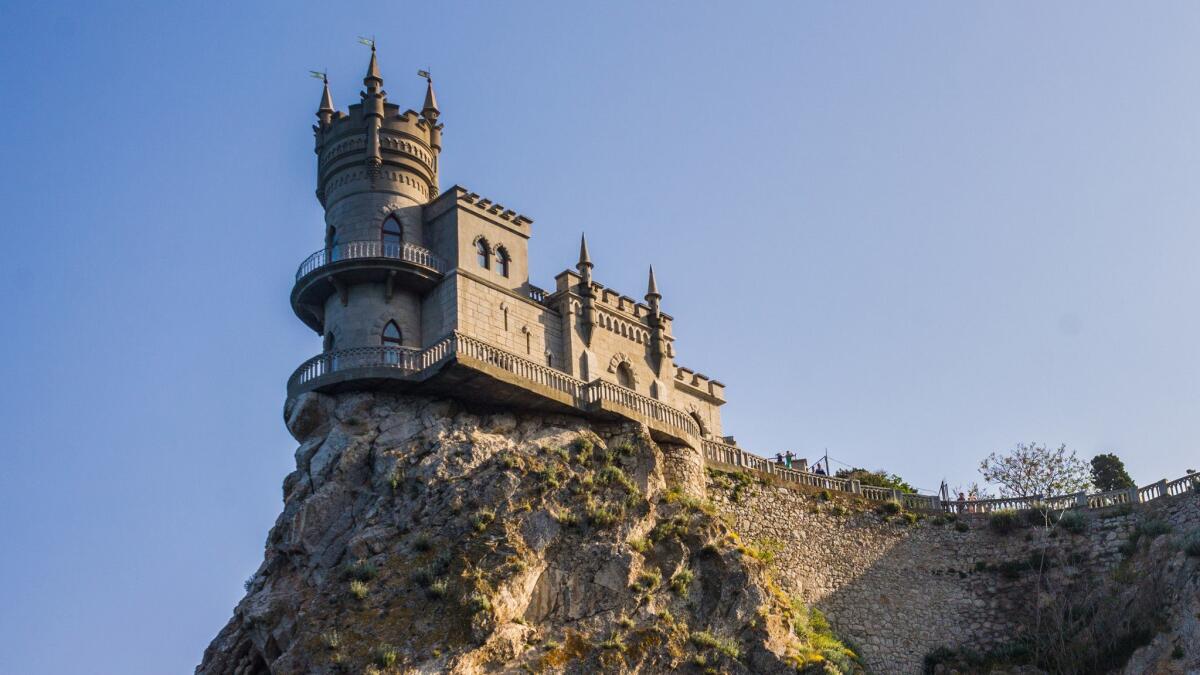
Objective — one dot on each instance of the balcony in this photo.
(334, 269)
(453, 366)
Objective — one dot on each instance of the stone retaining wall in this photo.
(898, 589)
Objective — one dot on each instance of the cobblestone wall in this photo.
(899, 589)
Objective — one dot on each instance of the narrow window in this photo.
(481, 253)
(625, 376)
(502, 261)
(330, 242)
(392, 236)
(391, 335)
(328, 342)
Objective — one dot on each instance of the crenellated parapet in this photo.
(699, 384)
(376, 146)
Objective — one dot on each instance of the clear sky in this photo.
(911, 233)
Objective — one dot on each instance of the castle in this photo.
(420, 289)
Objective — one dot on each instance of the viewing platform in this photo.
(334, 269)
(469, 368)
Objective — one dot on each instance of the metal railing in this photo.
(372, 248)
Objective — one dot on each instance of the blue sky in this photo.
(911, 233)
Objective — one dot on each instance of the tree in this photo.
(879, 478)
(1108, 473)
(1036, 471)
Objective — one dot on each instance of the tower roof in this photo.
(584, 258)
(430, 108)
(326, 99)
(373, 69)
(652, 287)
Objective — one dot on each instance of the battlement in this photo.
(699, 383)
(607, 299)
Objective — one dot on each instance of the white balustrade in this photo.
(372, 248)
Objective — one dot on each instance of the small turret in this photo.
(585, 289)
(429, 110)
(326, 111)
(658, 340)
(653, 297)
(373, 99)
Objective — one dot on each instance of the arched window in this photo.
(699, 423)
(482, 254)
(391, 335)
(502, 261)
(625, 376)
(393, 236)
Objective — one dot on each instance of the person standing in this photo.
(787, 459)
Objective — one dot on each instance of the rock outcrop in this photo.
(418, 536)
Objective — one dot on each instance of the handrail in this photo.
(732, 455)
(371, 248)
(411, 361)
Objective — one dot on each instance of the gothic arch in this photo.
(620, 364)
(699, 419)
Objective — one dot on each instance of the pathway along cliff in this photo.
(420, 537)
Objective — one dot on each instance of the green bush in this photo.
(1074, 522)
(706, 640)
(961, 526)
(360, 571)
(422, 543)
(1153, 528)
(648, 580)
(482, 518)
(1005, 521)
(890, 508)
(438, 588)
(359, 589)
(681, 580)
(384, 656)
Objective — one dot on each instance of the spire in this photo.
(326, 111)
(430, 110)
(652, 288)
(373, 70)
(584, 259)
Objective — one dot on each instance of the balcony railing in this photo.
(352, 250)
(407, 361)
(737, 457)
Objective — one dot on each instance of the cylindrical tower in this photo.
(376, 168)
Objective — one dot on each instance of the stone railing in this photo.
(408, 361)
(601, 390)
(538, 295)
(372, 248)
(734, 456)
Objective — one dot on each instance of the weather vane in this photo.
(320, 75)
(370, 42)
(425, 74)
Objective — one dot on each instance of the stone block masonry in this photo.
(899, 590)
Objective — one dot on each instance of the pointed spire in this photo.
(584, 258)
(652, 288)
(326, 110)
(430, 109)
(373, 70)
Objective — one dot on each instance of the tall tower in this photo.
(377, 167)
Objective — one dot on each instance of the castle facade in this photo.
(417, 288)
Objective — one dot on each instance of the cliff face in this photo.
(419, 537)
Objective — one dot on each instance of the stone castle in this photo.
(420, 289)
(492, 477)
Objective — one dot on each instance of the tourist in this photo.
(962, 502)
(779, 458)
(820, 471)
(787, 459)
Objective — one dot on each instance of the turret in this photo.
(585, 290)
(658, 340)
(373, 100)
(326, 110)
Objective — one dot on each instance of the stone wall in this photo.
(899, 589)
(514, 324)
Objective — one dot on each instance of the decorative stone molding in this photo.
(615, 362)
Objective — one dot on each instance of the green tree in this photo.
(1032, 470)
(879, 478)
(1108, 473)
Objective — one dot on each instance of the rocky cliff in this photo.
(418, 536)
